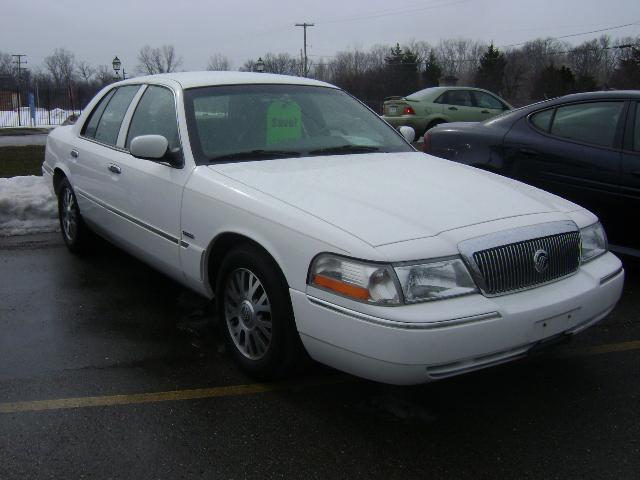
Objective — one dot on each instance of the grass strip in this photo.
(21, 160)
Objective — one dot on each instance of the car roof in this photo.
(205, 79)
(606, 94)
(432, 92)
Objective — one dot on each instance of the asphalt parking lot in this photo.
(109, 370)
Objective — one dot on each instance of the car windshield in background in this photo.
(256, 122)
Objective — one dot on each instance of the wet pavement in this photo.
(107, 326)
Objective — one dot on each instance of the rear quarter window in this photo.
(542, 120)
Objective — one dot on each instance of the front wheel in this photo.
(74, 231)
(256, 317)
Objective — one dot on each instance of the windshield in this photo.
(255, 122)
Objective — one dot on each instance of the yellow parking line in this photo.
(238, 390)
(599, 349)
(174, 395)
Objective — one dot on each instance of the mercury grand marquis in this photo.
(318, 229)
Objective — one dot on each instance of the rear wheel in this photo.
(433, 124)
(74, 231)
(256, 317)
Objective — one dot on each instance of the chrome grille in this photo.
(510, 267)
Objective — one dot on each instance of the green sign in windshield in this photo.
(284, 122)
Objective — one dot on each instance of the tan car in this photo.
(432, 106)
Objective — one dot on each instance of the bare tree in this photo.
(460, 57)
(85, 70)
(104, 74)
(219, 63)
(6, 64)
(158, 60)
(248, 66)
(282, 63)
(61, 66)
(586, 59)
(515, 73)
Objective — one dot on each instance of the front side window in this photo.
(593, 123)
(484, 100)
(461, 98)
(252, 122)
(111, 119)
(155, 115)
(636, 136)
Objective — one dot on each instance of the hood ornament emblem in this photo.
(541, 261)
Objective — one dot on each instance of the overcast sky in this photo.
(242, 29)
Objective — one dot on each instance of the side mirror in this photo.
(149, 147)
(408, 133)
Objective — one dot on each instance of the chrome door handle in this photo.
(114, 168)
(74, 153)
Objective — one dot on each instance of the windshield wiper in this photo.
(258, 154)
(344, 150)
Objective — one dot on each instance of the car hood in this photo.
(386, 198)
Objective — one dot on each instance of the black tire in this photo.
(244, 325)
(75, 232)
(435, 123)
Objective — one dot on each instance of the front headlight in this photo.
(593, 242)
(435, 281)
(355, 279)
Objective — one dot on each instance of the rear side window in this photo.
(111, 118)
(594, 123)
(155, 115)
(89, 129)
(542, 120)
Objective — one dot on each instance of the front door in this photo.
(148, 196)
(573, 151)
(630, 180)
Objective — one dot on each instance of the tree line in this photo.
(532, 71)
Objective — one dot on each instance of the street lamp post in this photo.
(116, 64)
(260, 65)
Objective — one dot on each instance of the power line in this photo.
(615, 27)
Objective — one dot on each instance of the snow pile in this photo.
(55, 116)
(26, 206)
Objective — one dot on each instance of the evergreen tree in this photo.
(553, 82)
(490, 74)
(432, 71)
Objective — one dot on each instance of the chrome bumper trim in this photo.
(403, 325)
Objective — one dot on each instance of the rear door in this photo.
(573, 151)
(459, 106)
(94, 154)
(630, 179)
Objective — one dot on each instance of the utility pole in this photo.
(19, 63)
(304, 26)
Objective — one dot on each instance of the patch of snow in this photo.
(55, 116)
(27, 206)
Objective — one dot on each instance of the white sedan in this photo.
(317, 227)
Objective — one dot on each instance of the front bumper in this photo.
(397, 345)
